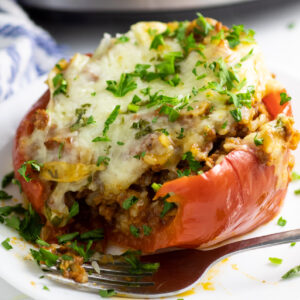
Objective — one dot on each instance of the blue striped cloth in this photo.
(26, 51)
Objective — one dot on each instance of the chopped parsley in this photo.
(284, 98)
(297, 192)
(181, 135)
(60, 84)
(107, 293)
(185, 172)
(157, 41)
(172, 113)
(42, 243)
(74, 210)
(293, 244)
(82, 250)
(111, 118)
(204, 26)
(122, 39)
(238, 34)
(133, 107)
(155, 186)
(81, 120)
(134, 231)
(43, 255)
(127, 203)
(103, 160)
(224, 125)
(141, 155)
(67, 237)
(7, 179)
(125, 85)
(281, 222)
(96, 234)
(291, 273)
(275, 260)
(120, 143)
(193, 164)
(143, 128)
(45, 288)
(4, 195)
(167, 206)
(6, 244)
(60, 150)
(236, 114)
(93, 94)
(147, 230)
(295, 176)
(34, 166)
(247, 56)
(258, 141)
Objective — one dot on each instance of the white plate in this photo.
(244, 276)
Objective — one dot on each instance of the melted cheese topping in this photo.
(87, 77)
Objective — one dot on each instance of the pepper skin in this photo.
(233, 198)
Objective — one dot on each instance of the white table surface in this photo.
(281, 47)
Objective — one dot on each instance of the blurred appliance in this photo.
(126, 5)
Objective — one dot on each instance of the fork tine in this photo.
(111, 280)
(112, 270)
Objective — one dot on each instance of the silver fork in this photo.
(179, 270)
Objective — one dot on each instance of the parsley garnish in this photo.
(74, 210)
(60, 150)
(167, 206)
(103, 160)
(291, 273)
(96, 234)
(7, 179)
(224, 125)
(34, 166)
(45, 288)
(125, 85)
(147, 230)
(107, 293)
(141, 155)
(281, 222)
(295, 176)
(236, 114)
(205, 27)
(18, 183)
(157, 41)
(134, 231)
(44, 255)
(82, 121)
(67, 237)
(155, 186)
(120, 143)
(172, 113)
(247, 56)
(4, 195)
(275, 260)
(284, 98)
(238, 34)
(143, 127)
(6, 244)
(258, 141)
(181, 135)
(42, 243)
(133, 107)
(127, 203)
(293, 244)
(193, 164)
(122, 39)
(60, 84)
(83, 251)
(111, 118)
(185, 172)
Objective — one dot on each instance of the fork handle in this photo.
(261, 242)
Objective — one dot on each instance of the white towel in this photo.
(26, 50)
